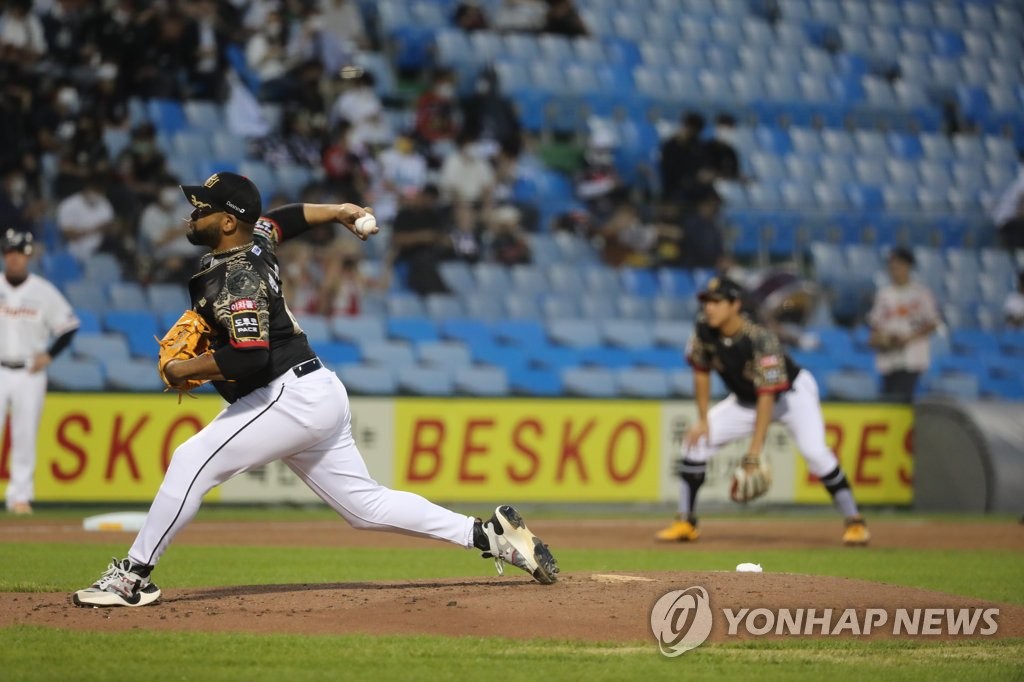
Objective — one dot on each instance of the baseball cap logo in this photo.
(197, 203)
(212, 180)
(681, 620)
(714, 284)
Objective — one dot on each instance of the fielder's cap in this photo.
(228, 192)
(15, 240)
(904, 254)
(720, 289)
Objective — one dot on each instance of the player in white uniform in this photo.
(902, 320)
(284, 405)
(36, 323)
(765, 386)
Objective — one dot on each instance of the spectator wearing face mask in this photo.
(20, 207)
(598, 184)
(436, 112)
(491, 117)
(165, 252)
(85, 218)
(142, 163)
(360, 105)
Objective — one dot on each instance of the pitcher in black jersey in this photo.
(284, 404)
(765, 385)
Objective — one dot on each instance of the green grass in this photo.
(26, 653)
(214, 656)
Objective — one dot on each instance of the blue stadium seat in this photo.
(852, 385)
(397, 355)
(574, 333)
(660, 358)
(68, 374)
(88, 295)
(134, 375)
(470, 331)
(512, 359)
(128, 296)
(562, 306)
(335, 353)
(359, 328)
(536, 382)
(138, 327)
(522, 333)
(102, 267)
(598, 307)
(167, 115)
(591, 382)
(368, 380)
(88, 321)
(412, 329)
(520, 306)
(444, 307)
(400, 304)
(450, 355)
(104, 347)
(672, 333)
(164, 298)
(644, 383)
(481, 381)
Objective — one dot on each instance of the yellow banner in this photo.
(528, 450)
(111, 447)
(873, 443)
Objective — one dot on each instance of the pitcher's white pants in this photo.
(305, 422)
(21, 394)
(798, 409)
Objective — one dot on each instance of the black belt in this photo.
(307, 367)
(13, 365)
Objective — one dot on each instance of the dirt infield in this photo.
(611, 607)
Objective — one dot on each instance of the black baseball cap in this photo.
(228, 192)
(15, 240)
(719, 289)
(904, 254)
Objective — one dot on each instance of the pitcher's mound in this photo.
(599, 607)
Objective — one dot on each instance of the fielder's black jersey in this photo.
(750, 362)
(239, 294)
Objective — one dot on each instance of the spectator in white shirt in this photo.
(465, 175)
(902, 319)
(165, 253)
(402, 174)
(21, 33)
(1013, 309)
(85, 218)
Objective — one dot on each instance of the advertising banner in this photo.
(528, 450)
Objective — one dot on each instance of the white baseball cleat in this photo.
(510, 540)
(118, 586)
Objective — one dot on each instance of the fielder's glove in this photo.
(188, 338)
(750, 480)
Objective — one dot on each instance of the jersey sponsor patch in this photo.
(243, 282)
(243, 304)
(245, 326)
(256, 250)
(268, 229)
(770, 361)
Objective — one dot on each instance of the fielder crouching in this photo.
(765, 385)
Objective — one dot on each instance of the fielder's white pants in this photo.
(306, 422)
(21, 395)
(798, 409)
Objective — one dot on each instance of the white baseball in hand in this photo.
(366, 225)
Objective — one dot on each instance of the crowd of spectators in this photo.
(439, 166)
